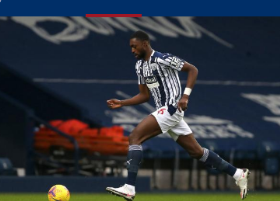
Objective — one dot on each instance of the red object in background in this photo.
(72, 126)
(105, 140)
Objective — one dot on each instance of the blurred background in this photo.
(56, 74)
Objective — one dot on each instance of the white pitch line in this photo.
(200, 82)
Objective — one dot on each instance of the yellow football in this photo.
(58, 193)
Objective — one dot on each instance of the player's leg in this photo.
(148, 128)
(208, 157)
(211, 159)
(182, 134)
(145, 130)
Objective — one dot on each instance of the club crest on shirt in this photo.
(154, 66)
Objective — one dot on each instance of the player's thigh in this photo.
(145, 130)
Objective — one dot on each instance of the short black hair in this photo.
(141, 35)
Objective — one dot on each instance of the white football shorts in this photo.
(174, 125)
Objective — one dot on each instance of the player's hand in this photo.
(183, 103)
(114, 103)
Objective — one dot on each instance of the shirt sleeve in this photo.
(141, 79)
(171, 61)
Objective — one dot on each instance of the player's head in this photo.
(140, 44)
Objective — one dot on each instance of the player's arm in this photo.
(192, 75)
(142, 97)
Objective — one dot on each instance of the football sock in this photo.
(213, 160)
(134, 158)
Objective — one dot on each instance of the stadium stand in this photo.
(65, 68)
(6, 167)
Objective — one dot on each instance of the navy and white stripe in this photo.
(135, 147)
(160, 74)
(205, 155)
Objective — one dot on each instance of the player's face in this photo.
(137, 48)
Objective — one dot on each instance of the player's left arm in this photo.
(192, 75)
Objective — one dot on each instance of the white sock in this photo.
(237, 174)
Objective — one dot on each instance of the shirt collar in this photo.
(151, 56)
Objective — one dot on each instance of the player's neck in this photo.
(148, 54)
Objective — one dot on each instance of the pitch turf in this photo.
(148, 197)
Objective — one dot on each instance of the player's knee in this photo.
(133, 139)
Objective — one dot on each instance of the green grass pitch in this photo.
(253, 196)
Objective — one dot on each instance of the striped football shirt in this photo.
(160, 74)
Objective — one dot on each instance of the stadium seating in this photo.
(95, 144)
(65, 72)
(269, 154)
(105, 141)
(6, 167)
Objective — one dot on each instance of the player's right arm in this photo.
(142, 97)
